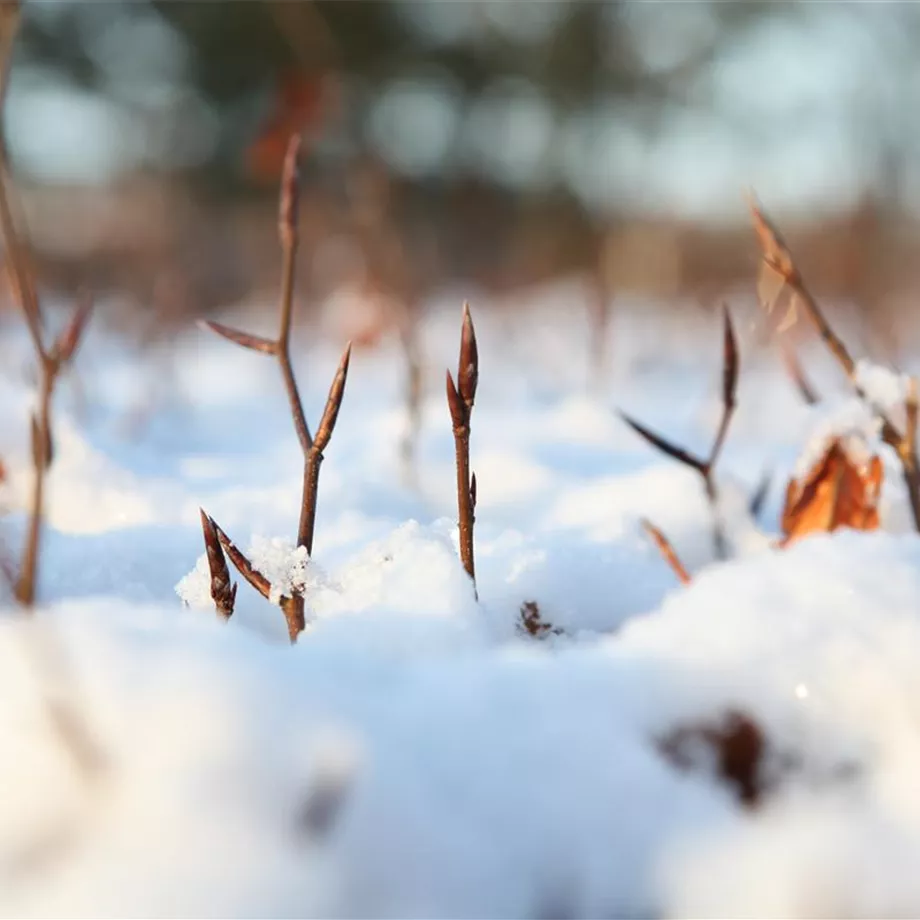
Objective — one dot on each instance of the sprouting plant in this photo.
(223, 593)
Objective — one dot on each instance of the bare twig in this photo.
(460, 399)
(779, 263)
(667, 551)
(706, 466)
(312, 448)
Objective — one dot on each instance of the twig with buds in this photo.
(460, 399)
(311, 446)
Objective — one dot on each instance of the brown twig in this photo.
(706, 466)
(312, 448)
(779, 262)
(667, 551)
(223, 589)
(460, 399)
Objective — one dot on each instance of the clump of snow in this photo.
(282, 563)
(854, 424)
(882, 388)
(194, 589)
(412, 754)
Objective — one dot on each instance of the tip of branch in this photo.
(223, 590)
(468, 366)
(238, 337)
(730, 366)
(665, 446)
(333, 402)
(667, 551)
(290, 190)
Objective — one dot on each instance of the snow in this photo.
(414, 754)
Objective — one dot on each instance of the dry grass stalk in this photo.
(667, 551)
(279, 348)
(706, 466)
(779, 275)
(460, 399)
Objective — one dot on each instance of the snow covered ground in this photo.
(415, 754)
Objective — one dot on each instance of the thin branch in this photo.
(705, 467)
(778, 259)
(667, 551)
(242, 564)
(460, 400)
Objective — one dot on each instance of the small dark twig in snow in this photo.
(706, 466)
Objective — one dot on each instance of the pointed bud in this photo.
(455, 404)
(223, 590)
(333, 403)
(468, 367)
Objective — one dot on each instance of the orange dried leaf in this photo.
(837, 492)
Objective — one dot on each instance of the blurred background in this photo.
(497, 144)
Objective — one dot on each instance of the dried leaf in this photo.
(837, 492)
